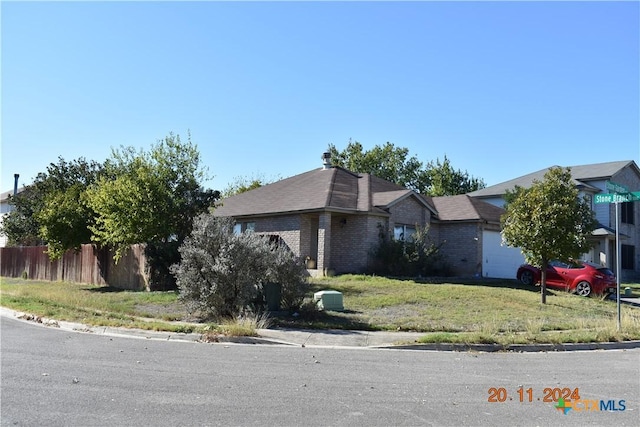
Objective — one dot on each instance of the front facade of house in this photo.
(334, 218)
(468, 231)
(591, 180)
(330, 216)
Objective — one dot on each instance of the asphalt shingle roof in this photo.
(581, 175)
(333, 189)
(465, 208)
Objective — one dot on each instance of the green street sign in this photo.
(616, 188)
(617, 198)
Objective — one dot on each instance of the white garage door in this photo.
(500, 262)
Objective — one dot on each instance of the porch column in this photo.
(324, 242)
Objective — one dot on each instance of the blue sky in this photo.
(501, 88)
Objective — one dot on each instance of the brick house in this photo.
(469, 231)
(334, 217)
(592, 180)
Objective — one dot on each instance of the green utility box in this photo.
(329, 300)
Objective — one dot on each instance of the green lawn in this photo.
(472, 311)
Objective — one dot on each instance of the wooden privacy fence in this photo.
(88, 265)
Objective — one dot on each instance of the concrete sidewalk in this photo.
(339, 338)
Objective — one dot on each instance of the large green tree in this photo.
(394, 164)
(387, 162)
(444, 180)
(548, 221)
(53, 209)
(150, 197)
(242, 184)
(20, 225)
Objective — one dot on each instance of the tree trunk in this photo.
(543, 281)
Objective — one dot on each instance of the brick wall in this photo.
(408, 212)
(460, 249)
(340, 242)
(353, 237)
(288, 227)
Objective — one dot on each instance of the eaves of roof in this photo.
(604, 231)
(4, 197)
(388, 199)
(581, 175)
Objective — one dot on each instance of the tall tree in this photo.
(20, 225)
(387, 162)
(394, 164)
(444, 180)
(150, 197)
(548, 220)
(52, 210)
(243, 184)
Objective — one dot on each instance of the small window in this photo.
(627, 257)
(237, 228)
(240, 227)
(403, 233)
(626, 214)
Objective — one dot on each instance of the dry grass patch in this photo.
(472, 311)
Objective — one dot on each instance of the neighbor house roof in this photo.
(581, 174)
(4, 197)
(326, 189)
(466, 208)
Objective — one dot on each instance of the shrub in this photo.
(223, 274)
(415, 257)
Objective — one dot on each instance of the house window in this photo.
(403, 233)
(626, 216)
(627, 257)
(240, 227)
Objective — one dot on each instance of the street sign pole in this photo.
(620, 194)
(618, 264)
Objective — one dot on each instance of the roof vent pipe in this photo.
(326, 160)
(15, 183)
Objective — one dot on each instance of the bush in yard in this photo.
(222, 274)
(290, 273)
(415, 256)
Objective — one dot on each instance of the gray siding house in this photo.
(5, 207)
(591, 180)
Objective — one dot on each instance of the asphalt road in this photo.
(52, 377)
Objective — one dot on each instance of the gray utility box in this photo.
(329, 300)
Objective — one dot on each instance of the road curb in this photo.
(262, 340)
(518, 348)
